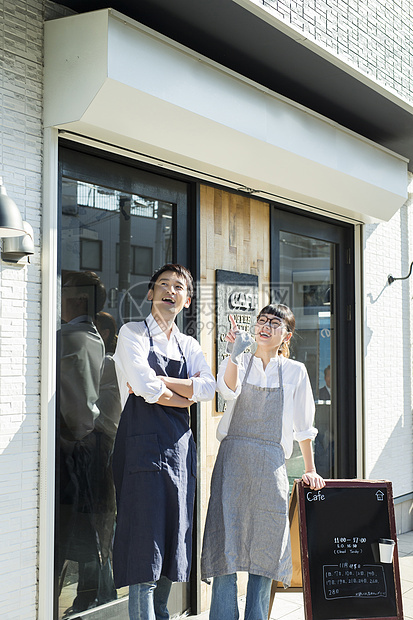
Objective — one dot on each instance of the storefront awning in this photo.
(111, 79)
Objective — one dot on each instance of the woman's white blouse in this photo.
(299, 405)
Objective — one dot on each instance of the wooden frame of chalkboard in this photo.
(343, 578)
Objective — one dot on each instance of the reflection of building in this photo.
(264, 167)
(91, 223)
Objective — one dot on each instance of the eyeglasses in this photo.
(274, 323)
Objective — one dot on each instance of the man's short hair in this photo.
(178, 269)
(86, 285)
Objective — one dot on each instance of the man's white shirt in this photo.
(131, 359)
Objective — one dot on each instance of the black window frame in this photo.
(342, 235)
(183, 192)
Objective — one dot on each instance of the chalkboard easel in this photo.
(343, 578)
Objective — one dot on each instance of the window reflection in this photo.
(111, 243)
(86, 487)
(306, 272)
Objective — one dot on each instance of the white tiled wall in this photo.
(21, 92)
(21, 162)
(388, 249)
(376, 38)
(373, 36)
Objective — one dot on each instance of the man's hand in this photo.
(182, 387)
(171, 399)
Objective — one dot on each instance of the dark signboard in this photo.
(236, 294)
(340, 527)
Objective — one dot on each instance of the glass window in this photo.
(307, 265)
(142, 261)
(312, 270)
(116, 229)
(91, 254)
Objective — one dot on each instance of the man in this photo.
(82, 355)
(82, 479)
(325, 391)
(161, 372)
(324, 443)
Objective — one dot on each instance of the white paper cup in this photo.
(386, 546)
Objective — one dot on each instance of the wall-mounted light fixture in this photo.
(390, 279)
(17, 249)
(11, 223)
(17, 235)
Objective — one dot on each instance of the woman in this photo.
(247, 525)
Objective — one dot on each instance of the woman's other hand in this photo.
(314, 480)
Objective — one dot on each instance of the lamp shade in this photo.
(11, 223)
(15, 249)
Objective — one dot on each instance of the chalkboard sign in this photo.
(340, 526)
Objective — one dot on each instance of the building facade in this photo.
(134, 136)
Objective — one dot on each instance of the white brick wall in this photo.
(21, 78)
(388, 249)
(374, 36)
(21, 89)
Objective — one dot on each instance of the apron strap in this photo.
(280, 373)
(179, 347)
(176, 339)
(280, 382)
(248, 369)
(182, 353)
(149, 334)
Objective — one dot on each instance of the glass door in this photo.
(312, 272)
(118, 225)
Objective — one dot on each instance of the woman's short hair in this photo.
(285, 313)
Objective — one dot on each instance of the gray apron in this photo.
(247, 526)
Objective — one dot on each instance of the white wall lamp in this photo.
(18, 242)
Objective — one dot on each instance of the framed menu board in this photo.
(343, 575)
(236, 294)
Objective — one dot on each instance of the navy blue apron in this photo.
(154, 468)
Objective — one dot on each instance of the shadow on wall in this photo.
(392, 451)
(20, 470)
(369, 229)
(390, 454)
(396, 379)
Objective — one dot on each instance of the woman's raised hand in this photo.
(238, 339)
(232, 334)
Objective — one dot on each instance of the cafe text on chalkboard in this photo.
(236, 294)
(347, 572)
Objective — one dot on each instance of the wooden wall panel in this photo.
(235, 235)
